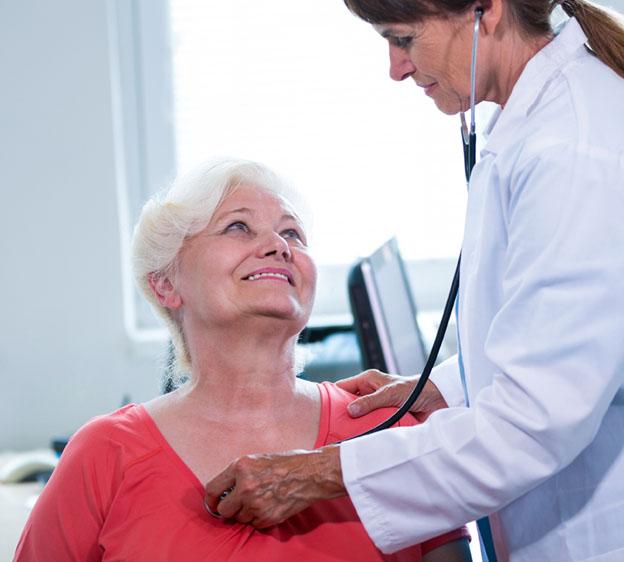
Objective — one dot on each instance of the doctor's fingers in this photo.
(367, 382)
(220, 487)
(391, 395)
(260, 487)
(265, 514)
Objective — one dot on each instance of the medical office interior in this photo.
(104, 102)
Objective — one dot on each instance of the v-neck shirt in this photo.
(122, 493)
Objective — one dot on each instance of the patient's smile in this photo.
(279, 276)
(276, 274)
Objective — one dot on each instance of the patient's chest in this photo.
(158, 515)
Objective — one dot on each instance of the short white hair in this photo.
(185, 209)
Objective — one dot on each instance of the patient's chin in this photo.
(288, 314)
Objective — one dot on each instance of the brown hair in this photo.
(604, 31)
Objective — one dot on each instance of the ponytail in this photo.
(604, 30)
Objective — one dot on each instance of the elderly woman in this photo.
(535, 437)
(223, 258)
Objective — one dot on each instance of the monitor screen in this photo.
(385, 313)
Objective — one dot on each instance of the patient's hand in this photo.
(381, 390)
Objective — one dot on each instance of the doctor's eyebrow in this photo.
(390, 34)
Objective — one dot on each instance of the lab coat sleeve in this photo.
(446, 377)
(556, 346)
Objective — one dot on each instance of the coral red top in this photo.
(121, 493)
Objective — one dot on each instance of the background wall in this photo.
(64, 352)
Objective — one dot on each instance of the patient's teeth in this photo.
(260, 275)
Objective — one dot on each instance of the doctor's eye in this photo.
(404, 42)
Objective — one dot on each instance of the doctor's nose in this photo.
(401, 66)
(272, 244)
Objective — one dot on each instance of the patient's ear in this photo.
(164, 291)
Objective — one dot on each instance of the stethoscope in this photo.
(469, 143)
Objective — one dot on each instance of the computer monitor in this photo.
(384, 313)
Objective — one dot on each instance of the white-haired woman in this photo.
(223, 258)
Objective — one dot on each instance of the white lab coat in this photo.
(541, 325)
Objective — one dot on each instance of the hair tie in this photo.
(569, 6)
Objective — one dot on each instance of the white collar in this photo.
(532, 83)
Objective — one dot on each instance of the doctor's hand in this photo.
(381, 390)
(264, 490)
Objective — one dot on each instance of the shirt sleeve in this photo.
(66, 520)
(456, 534)
(550, 387)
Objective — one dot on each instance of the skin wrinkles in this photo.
(222, 218)
(433, 54)
(213, 265)
(439, 51)
(276, 480)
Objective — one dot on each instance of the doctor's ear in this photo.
(162, 288)
(492, 14)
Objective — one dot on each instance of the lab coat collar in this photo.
(533, 81)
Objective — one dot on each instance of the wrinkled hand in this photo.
(268, 489)
(381, 390)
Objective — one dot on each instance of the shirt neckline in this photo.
(146, 418)
(152, 427)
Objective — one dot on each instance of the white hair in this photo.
(184, 210)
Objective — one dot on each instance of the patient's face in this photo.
(251, 261)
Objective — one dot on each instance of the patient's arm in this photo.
(454, 551)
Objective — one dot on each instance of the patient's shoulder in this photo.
(123, 433)
(340, 424)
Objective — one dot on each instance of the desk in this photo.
(15, 500)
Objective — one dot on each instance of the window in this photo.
(302, 87)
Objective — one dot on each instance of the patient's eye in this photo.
(294, 234)
(239, 226)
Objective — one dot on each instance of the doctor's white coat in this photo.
(541, 325)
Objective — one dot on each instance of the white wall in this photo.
(64, 353)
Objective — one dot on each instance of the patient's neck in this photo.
(243, 372)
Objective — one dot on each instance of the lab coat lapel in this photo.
(531, 85)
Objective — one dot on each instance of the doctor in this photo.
(535, 436)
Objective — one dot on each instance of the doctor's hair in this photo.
(184, 210)
(604, 28)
